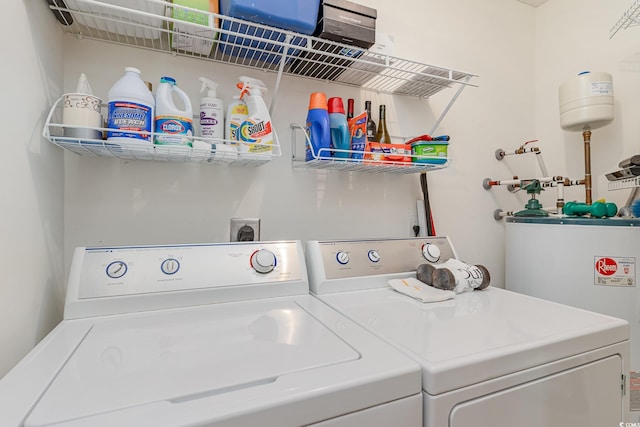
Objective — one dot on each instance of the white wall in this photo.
(573, 36)
(136, 202)
(112, 202)
(31, 290)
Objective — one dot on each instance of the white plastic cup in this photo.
(83, 111)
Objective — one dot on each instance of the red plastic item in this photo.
(335, 105)
(424, 137)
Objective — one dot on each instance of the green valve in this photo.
(533, 206)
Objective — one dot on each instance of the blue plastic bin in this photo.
(300, 16)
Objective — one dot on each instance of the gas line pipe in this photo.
(523, 149)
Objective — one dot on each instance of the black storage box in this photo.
(346, 22)
(343, 22)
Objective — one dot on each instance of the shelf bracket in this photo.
(448, 107)
(283, 61)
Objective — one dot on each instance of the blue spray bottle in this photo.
(318, 127)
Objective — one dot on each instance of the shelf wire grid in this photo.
(150, 24)
(624, 183)
(325, 159)
(630, 18)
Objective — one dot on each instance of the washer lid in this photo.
(478, 335)
(185, 354)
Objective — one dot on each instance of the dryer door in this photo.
(588, 395)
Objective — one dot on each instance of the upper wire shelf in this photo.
(630, 18)
(149, 24)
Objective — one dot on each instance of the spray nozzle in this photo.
(210, 86)
(252, 86)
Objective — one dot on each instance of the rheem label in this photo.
(614, 271)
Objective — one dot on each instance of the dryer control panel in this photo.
(138, 278)
(370, 263)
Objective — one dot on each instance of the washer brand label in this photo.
(614, 271)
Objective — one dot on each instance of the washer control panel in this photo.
(152, 269)
(359, 258)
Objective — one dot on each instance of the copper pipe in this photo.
(586, 135)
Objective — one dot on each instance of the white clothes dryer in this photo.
(219, 334)
(490, 358)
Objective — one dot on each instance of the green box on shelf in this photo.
(193, 39)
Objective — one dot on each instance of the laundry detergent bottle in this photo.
(131, 110)
(318, 128)
(340, 139)
(173, 125)
(256, 132)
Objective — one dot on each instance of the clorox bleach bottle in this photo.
(256, 132)
(173, 126)
(131, 110)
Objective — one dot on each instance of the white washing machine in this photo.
(589, 263)
(222, 335)
(490, 358)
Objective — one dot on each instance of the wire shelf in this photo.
(625, 183)
(630, 18)
(141, 150)
(150, 24)
(325, 159)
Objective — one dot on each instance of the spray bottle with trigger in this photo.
(256, 132)
(211, 111)
(237, 113)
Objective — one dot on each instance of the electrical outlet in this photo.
(245, 229)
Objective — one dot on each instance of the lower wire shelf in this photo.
(625, 183)
(372, 166)
(364, 161)
(148, 151)
(205, 150)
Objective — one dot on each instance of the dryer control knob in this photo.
(263, 261)
(116, 269)
(342, 258)
(431, 252)
(374, 256)
(170, 266)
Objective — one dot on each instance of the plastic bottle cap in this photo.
(318, 100)
(335, 105)
(166, 79)
(132, 69)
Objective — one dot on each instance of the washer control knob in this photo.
(263, 261)
(170, 266)
(431, 252)
(116, 269)
(374, 256)
(342, 258)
